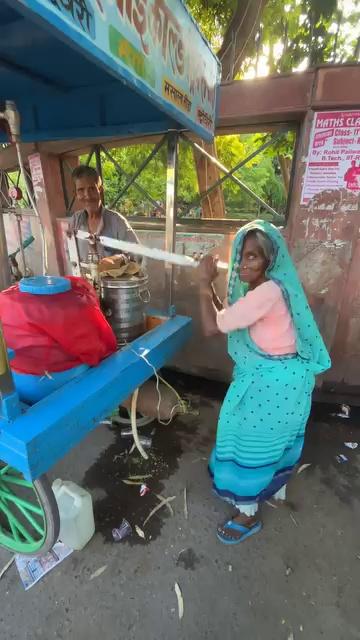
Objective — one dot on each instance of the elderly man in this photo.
(94, 217)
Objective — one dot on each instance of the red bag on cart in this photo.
(54, 324)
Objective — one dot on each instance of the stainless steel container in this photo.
(123, 301)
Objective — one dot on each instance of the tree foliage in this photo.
(261, 175)
(290, 33)
(306, 33)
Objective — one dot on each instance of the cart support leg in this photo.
(170, 225)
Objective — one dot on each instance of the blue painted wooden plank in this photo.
(51, 428)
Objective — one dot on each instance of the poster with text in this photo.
(334, 154)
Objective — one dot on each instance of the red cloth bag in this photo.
(55, 332)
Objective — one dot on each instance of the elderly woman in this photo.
(277, 350)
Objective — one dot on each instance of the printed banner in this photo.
(153, 44)
(334, 154)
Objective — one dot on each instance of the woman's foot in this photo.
(238, 529)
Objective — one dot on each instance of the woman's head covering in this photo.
(310, 345)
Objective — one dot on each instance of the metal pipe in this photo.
(5, 273)
(34, 206)
(63, 184)
(97, 151)
(170, 222)
(90, 155)
(20, 240)
(121, 171)
(139, 170)
(12, 117)
(233, 170)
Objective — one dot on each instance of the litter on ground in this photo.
(303, 467)
(180, 601)
(341, 458)
(294, 520)
(6, 567)
(164, 502)
(351, 445)
(122, 532)
(271, 504)
(167, 504)
(186, 512)
(140, 532)
(343, 413)
(32, 569)
(98, 572)
(144, 490)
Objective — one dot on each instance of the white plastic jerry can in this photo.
(77, 524)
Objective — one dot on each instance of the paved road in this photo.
(298, 579)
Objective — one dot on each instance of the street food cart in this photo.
(76, 69)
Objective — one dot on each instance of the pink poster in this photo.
(334, 154)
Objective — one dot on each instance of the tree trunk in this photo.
(213, 205)
(285, 167)
(238, 41)
(239, 37)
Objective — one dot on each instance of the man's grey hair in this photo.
(265, 243)
(84, 171)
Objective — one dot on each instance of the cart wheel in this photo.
(29, 516)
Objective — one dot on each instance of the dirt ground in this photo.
(299, 578)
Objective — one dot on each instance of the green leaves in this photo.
(291, 34)
(262, 175)
(213, 17)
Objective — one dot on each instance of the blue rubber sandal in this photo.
(246, 531)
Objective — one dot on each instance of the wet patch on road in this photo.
(115, 464)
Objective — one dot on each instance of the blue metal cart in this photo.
(76, 69)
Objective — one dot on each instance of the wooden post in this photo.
(48, 190)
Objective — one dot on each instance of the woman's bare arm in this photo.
(208, 310)
(216, 300)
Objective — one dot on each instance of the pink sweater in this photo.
(264, 311)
